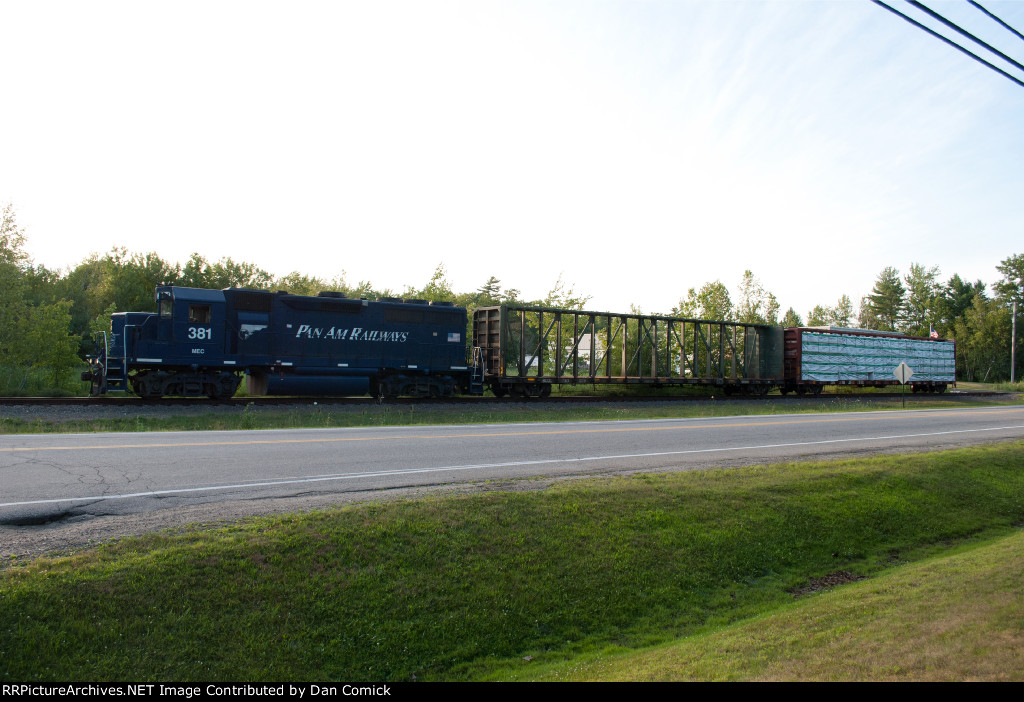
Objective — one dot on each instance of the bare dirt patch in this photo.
(839, 577)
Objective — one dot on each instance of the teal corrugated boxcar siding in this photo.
(844, 357)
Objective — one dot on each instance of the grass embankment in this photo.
(310, 413)
(954, 617)
(467, 587)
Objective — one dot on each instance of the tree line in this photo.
(48, 317)
(916, 303)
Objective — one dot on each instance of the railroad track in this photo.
(132, 401)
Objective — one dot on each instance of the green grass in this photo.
(38, 382)
(465, 587)
(308, 413)
(950, 617)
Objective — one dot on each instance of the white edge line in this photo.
(510, 464)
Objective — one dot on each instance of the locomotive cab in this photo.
(192, 324)
(186, 331)
(179, 350)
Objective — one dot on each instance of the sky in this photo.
(634, 148)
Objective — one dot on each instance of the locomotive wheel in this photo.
(148, 386)
(217, 391)
(223, 386)
(148, 392)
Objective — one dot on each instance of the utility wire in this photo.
(948, 41)
(996, 18)
(964, 32)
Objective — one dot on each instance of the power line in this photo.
(949, 41)
(964, 32)
(996, 18)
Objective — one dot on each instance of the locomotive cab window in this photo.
(166, 307)
(198, 314)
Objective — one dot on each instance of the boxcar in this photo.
(819, 356)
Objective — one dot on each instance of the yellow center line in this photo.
(551, 432)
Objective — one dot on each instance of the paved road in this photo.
(56, 477)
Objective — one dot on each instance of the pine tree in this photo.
(886, 300)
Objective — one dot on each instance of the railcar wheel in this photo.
(545, 391)
(816, 390)
(499, 390)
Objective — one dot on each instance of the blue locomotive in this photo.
(202, 342)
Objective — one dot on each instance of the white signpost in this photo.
(903, 374)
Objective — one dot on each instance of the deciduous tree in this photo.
(756, 305)
(712, 301)
(983, 341)
(1011, 287)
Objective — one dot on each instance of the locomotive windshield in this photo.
(165, 304)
